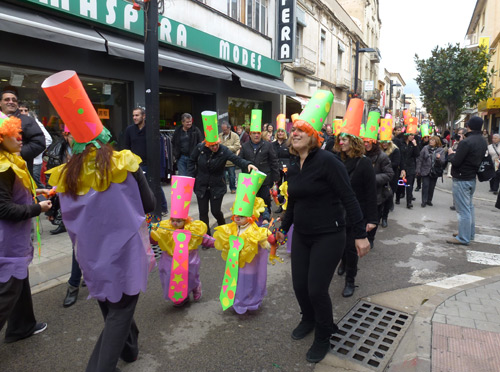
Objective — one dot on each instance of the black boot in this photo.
(303, 329)
(318, 350)
(60, 229)
(71, 296)
(348, 289)
(341, 269)
(384, 222)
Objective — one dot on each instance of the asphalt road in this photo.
(201, 337)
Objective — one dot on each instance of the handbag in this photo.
(486, 170)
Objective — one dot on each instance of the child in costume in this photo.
(17, 190)
(166, 234)
(104, 197)
(250, 265)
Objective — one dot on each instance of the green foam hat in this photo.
(261, 175)
(256, 121)
(317, 109)
(372, 125)
(210, 128)
(424, 130)
(362, 131)
(246, 192)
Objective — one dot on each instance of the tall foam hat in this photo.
(352, 118)
(256, 121)
(362, 129)
(412, 126)
(246, 191)
(424, 130)
(67, 95)
(180, 200)
(337, 123)
(312, 118)
(371, 127)
(210, 128)
(385, 130)
(281, 122)
(294, 117)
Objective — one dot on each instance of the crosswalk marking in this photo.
(488, 239)
(483, 258)
(456, 281)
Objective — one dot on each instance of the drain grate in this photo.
(369, 334)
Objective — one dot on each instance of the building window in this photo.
(298, 41)
(340, 55)
(260, 20)
(233, 9)
(322, 46)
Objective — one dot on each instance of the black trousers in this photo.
(372, 232)
(215, 207)
(410, 179)
(264, 194)
(495, 181)
(428, 186)
(16, 309)
(314, 259)
(350, 256)
(119, 337)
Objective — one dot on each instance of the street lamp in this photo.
(390, 93)
(356, 63)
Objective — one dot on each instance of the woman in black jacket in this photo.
(394, 154)
(207, 165)
(409, 154)
(363, 182)
(430, 165)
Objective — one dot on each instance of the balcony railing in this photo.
(304, 66)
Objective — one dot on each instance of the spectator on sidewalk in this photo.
(232, 141)
(494, 150)
(244, 137)
(465, 164)
(184, 141)
(430, 164)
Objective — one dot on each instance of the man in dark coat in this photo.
(33, 137)
(464, 166)
(262, 155)
(184, 141)
(409, 154)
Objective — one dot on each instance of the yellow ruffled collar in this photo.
(18, 165)
(122, 162)
(252, 236)
(163, 235)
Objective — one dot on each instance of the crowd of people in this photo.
(348, 176)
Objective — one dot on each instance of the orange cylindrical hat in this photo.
(385, 130)
(412, 126)
(294, 117)
(352, 118)
(281, 122)
(67, 95)
(406, 114)
(337, 123)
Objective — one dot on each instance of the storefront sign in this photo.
(120, 14)
(103, 113)
(286, 30)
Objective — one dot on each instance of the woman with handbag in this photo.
(494, 150)
(430, 165)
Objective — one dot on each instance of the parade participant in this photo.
(261, 153)
(318, 185)
(424, 141)
(465, 164)
(281, 150)
(250, 289)
(104, 197)
(430, 164)
(17, 190)
(394, 154)
(409, 155)
(167, 235)
(184, 141)
(382, 166)
(351, 148)
(207, 164)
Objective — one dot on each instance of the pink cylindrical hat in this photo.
(182, 190)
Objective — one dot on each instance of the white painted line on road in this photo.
(488, 239)
(456, 281)
(483, 258)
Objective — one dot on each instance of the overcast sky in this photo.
(412, 27)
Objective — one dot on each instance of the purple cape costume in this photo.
(109, 232)
(16, 248)
(165, 267)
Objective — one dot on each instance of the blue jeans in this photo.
(182, 165)
(230, 173)
(464, 205)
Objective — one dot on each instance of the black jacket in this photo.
(195, 138)
(208, 169)
(468, 157)
(263, 158)
(409, 155)
(320, 194)
(10, 210)
(282, 153)
(383, 171)
(363, 183)
(33, 139)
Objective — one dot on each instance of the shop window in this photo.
(240, 109)
(107, 96)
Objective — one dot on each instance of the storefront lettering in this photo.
(64, 3)
(225, 53)
(286, 27)
(166, 30)
(111, 15)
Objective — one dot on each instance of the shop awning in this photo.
(17, 21)
(133, 49)
(302, 100)
(265, 84)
